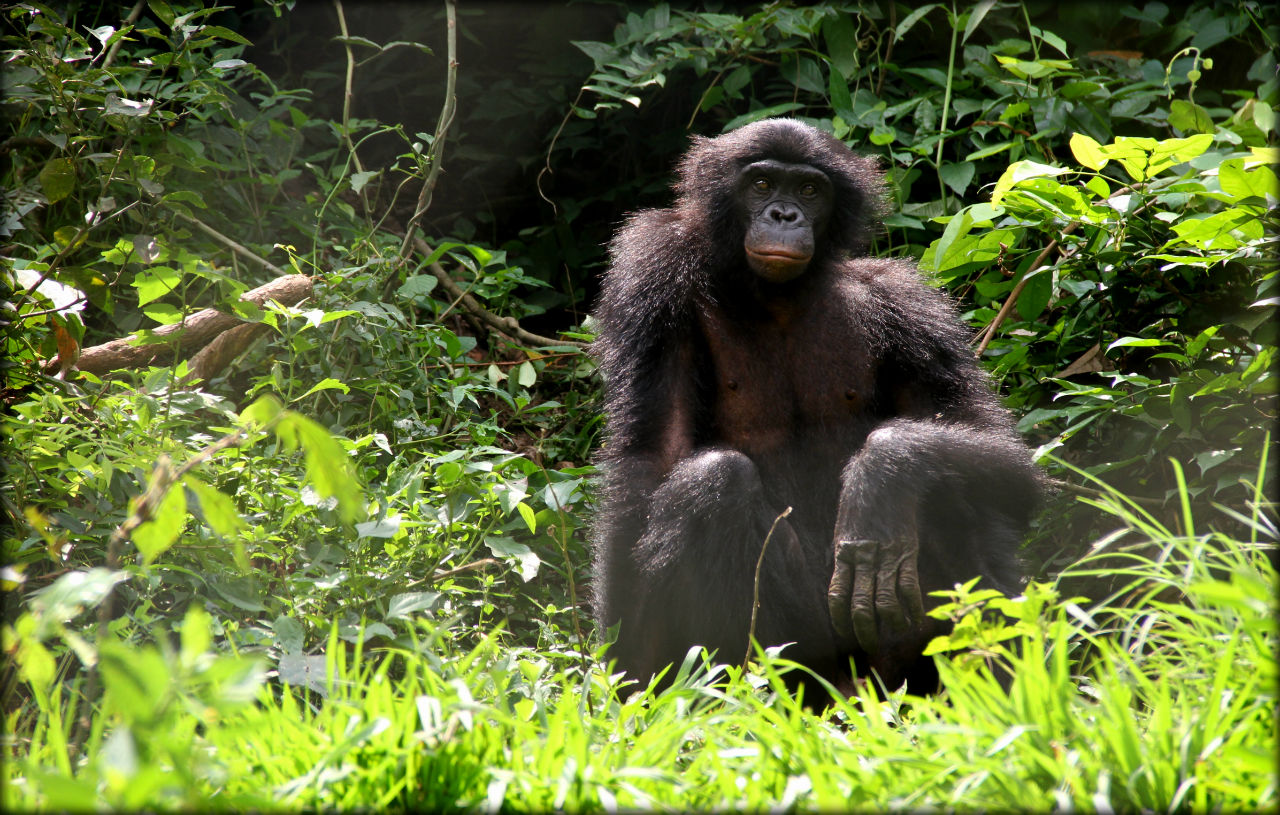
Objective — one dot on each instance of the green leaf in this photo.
(957, 176)
(328, 467)
(264, 410)
(912, 18)
(504, 547)
(842, 48)
(1088, 152)
(73, 592)
(57, 179)
(526, 512)
(1036, 293)
(156, 535)
(325, 385)
(1136, 342)
(163, 313)
(289, 634)
(156, 282)
(1189, 117)
(216, 508)
(1021, 171)
(400, 606)
(975, 17)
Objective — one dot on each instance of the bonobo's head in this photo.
(778, 195)
(785, 207)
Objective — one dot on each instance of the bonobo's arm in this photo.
(947, 474)
(644, 347)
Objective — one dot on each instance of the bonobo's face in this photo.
(786, 207)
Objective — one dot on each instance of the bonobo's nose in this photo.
(783, 215)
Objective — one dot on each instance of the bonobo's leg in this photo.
(923, 505)
(694, 567)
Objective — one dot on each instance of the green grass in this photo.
(1161, 696)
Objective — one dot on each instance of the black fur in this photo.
(849, 394)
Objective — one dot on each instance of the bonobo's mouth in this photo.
(777, 265)
(778, 256)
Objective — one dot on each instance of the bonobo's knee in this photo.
(718, 474)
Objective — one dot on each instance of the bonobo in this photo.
(756, 359)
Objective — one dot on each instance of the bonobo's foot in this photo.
(874, 595)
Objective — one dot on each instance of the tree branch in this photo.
(504, 325)
(192, 333)
(1017, 290)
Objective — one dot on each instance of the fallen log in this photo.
(186, 337)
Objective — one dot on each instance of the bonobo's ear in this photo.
(707, 174)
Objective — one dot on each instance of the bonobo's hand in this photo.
(875, 590)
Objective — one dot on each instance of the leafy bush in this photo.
(345, 568)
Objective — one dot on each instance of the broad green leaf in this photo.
(156, 282)
(217, 509)
(842, 49)
(384, 528)
(912, 18)
(1088, 152)
(325, 385)
(73, 592)
(156, 535)
(1021, 171)
(526, 512)
(1176, 151)
(1138, 342)
(57, 179)
(360, 179)
(1189, 117)
(976, 14)
(328, 467)
(264, 410)
(1036, 294)
(163, 313)
(400, 606)
(957, 176)
(290, 635)
(504, 547)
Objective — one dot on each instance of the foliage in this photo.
(347, 570)
(1159, 697)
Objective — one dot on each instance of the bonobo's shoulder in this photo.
(646, 232)
(885, 277)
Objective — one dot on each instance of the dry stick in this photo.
(1017, 290)
(232, 245)
(134, 14)
(347, 96)
(755, 588)
(436, 151)
(504, 325)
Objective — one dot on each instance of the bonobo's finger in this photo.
(862, 609)
(839, 588)
(891, 614)
(909, 593)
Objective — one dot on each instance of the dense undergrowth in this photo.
(347, 565)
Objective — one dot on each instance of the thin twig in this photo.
(755, 588)
(348, 94)
(134, 14)
(505, 325)
(232, 245)
(436, 151)
(1009, 302)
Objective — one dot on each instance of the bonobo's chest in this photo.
(791, 372)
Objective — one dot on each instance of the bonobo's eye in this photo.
(762, 184)
(808, 190)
